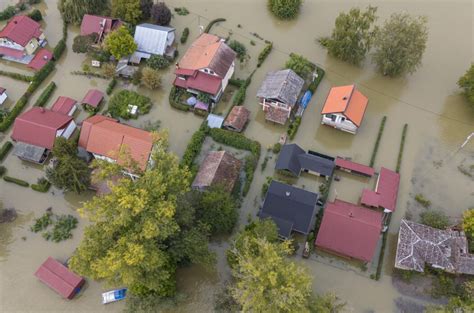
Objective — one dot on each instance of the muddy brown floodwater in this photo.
(438, 118)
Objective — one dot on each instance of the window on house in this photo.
(343, 119)
(332, 117)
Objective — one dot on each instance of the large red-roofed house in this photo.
(20, 39)
(206, 67)
(100, 25)
(105, 138)
(349, 230)
(36, 130)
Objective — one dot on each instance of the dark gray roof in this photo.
(294, 159)
(284, 86)
(284, 227)
(29, 152)
(292, 205)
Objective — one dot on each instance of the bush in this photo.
(184, 35)
(239, 48)
(377, 141)
(160, 14)
(239, 97)
(6, 147)
(83, 44)
(422, 200)
(237, 82)
(204, 97)
(17, 76)
(118, 104)
(466, 82)
(157, 62)
(10, 118)
(36, 15)
(285, 9)
(62, 229)
(293, 128)
(264, 53)
(9, 12)
(3, 170)
(211, 23)
(181, 11)
(435, 219)
(111, 86)
(42, 185)
(174, 99)
(108, 70)
(194, 146)
(17, 181)
(276, 148)
(42, 223)
(217, 209)
(151, 78)
(59, 49)
(45, 95)
(300, 65)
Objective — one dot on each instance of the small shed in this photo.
(42, 57)
(215, 121)
(353, 167)
(237, 118)
(59, 278)
(93, 98)
(3, 95)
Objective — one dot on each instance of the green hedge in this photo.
(264, 54)
(174, 96)
(184, 35)
(3, 170)
(45, 95)
(377, 142)
(43, 185)
(239, 97)
(9, 12)
(211, 23)
(6, 147)
(17, 76)
(237, 82)
(16, 181)
(314, 84)
(93, 74)
(194, 146)
(402, 146)
(293, 127)
(111, 86)
(59, 49)
(8, 120)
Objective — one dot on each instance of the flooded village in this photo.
(407, 150)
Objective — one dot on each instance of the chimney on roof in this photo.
(344, 98)
(350, 214)
(287, 193)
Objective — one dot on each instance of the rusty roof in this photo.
(218, 168)
(237, 118)
(420, 244)
(284, 86)
(348, 101)
(276, 115)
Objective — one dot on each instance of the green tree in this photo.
(151, 78)
(300, 65)
(466, 82)
(157, 62)
(239, 48)
(73, 10)
(127, 10)
(70, 172)
(285, 9)
(435, 219)
(160, 14)
(145, 7)
(218, 209)
(120, 43)
(137, 234)
(83, 44)
(352, 35)
(400, 44)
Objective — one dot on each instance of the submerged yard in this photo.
(438, 118)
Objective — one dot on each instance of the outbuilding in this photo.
(3, 95)
(93, 98)
(64, 105)
(237, 118)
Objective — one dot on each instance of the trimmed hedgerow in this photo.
(184, 35)
(194, 146)
(402, 146)
(377, 142)
(3, 170)
(293, 128)
(17, 76)
(45, 95)
(239, 97)
(211, 23)
(42, 185)
(264, 54)
(111, 86)
(6, 147)
(59, 49)
(17, 181)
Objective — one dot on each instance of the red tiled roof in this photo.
(17, 54)
(201, 82)
(237, 118)
(38, 127)
(354, 167)
(92, 24)
(350, 230)
(42, 57)
(93, 98)
(370, 198)
(387, 187)
(60, 278)
(348, 101)
(218, 168)
(276, 115)
(105, 136)
(21, 29)
(63, 105)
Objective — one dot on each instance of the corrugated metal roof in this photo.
(152, 38)
(21, 29)
(93, 97)
(215, 121)
(355, 167)
(63, 105)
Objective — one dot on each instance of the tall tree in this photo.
(400, 44)
(137, 229)
(352, 35)
(127, 10)
(151, 78)
(285, 9)
(70, 172)
(466, 82)
(120, 43)
(145, 7)
(73, 10)
(160, 14)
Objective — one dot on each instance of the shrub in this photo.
(151, 78)
(237, 82)
(315, 83)
(184, 35)
(239, 97)
(45, 95)
(285, 9)
(36, 15)
(300, 65)
(17, 76)
(6, 147)
(42, 185)
(435, 219)
(293, 128)
(276, 148)
(118, 104)
(377, 141)
(111, 86)
(83, 44)
(264, 53)
(264, 163)
(211, 23)
(160, 14)
(239, 48)
(17, 181)
(466, 82)
(181, 11)
(108, 70)
(3, 170)
(34, 1)
(59, 49)
(42, 223)
(62, 229)
(422, 200)
(204, 97)
(174, 99)
(10, 118)
(217, 209)
(157, 62)
(7, 13)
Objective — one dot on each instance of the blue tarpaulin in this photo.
(306, 99)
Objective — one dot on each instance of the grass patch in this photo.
(119, 104)
(17, 181)
(422, 200)
(402, 146)
(377, 142)
(45, 95)
(6, 147)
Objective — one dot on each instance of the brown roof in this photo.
(208, 51)
(107, 137)
(276, 115)
(218, 168)
(348, 101)
(420, 244)
(237, 118)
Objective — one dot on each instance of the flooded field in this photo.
(438, 118)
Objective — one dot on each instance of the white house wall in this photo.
(227, 76)
(345, 125)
